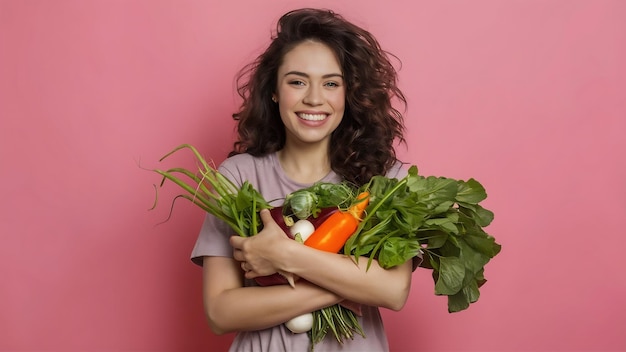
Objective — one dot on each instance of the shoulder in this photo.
(241, 167)
(398, 170)
(238, 161)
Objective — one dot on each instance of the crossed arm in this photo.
(329, 278)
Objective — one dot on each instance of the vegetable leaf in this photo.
(471, 192)
(433, 190)
(397, 250)
(458, 302)
(439, 216)
(451, 275)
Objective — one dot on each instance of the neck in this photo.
(305, 164)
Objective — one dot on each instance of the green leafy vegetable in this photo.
(440, 217)
(239, 208)
(310, 201)
(217, 195)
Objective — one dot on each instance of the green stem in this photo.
(430, 252)
(184, 185)
(199, 181)
(254, 229)
(370, 212)
(377, 248)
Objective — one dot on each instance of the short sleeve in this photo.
(212, 240)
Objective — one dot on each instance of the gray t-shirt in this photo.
(267, 176)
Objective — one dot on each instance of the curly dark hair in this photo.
(363, 143)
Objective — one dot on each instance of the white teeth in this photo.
(312, 117)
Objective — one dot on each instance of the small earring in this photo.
(274, 99)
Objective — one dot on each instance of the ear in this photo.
(274, 98)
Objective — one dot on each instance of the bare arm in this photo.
(231, 307)
(338, 273)
(271, 250)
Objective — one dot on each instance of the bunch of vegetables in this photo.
(323, 217)
(437, 216)
(318, 206)
(387, 220)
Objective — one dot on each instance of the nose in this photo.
(314, 96)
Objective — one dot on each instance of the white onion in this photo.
(304, 227)
(300, 324)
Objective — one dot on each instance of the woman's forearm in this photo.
(338, 273)
(255, 308)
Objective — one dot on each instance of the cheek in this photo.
(288, 98)
(339, 97)
(339, 102)
(283, 115)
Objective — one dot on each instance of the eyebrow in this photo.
(302, 74)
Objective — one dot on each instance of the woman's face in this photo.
(310, 94)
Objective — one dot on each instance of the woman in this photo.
(317, 106)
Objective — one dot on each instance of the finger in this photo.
(244, 267)
(266, 217)
(237, 241)
(289, 277)
(250, 274)
(238, 255)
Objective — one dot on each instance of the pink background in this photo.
(526, 96)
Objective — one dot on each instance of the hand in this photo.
(259, 254)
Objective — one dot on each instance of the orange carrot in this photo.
(333, 233)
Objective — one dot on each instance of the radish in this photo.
(300, 324)
(303, 227)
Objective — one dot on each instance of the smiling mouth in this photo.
(312, 117)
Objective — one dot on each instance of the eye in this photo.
(331, 84)
(296, 83)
